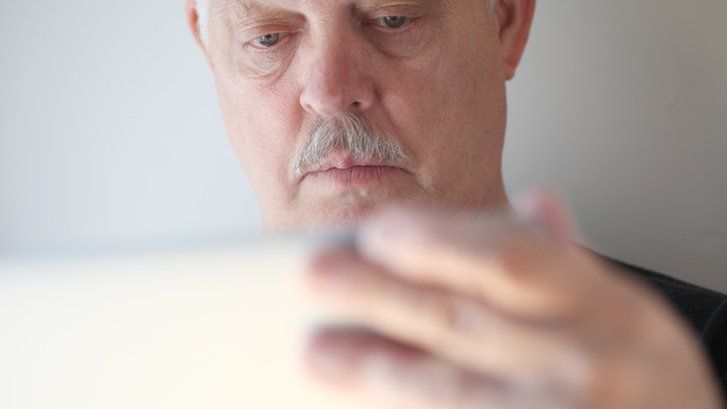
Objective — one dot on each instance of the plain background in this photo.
(110, 136)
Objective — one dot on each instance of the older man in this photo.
(339, 108)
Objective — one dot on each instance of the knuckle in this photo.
(444, 318)
(464, 316)
(452, 315)
(517, 256)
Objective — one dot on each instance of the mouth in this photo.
(354, 175)
(344, 171)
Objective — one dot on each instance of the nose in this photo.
(335, 80)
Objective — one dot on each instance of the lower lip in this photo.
(356, 175)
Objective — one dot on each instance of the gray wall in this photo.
(110, 137)
(622, 106)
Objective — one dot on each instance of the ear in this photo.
(193, 23)
(514, 18)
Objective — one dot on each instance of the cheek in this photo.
(450, 110)
(263, 127)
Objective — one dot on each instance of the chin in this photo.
(341, 214)
(331, 208)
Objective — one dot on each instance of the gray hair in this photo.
(351, 134)
(202, 7)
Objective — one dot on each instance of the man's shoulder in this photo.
(704, 309)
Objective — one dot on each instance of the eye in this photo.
(393, 22)
(267, 41)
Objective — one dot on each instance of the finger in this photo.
(512, 262)
(457, 328)
(383, 372)
(546, 206)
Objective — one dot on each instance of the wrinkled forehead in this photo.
(235, 11)
(250, 6)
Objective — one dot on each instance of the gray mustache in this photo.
(353, 135)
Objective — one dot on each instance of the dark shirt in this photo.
(705, 310)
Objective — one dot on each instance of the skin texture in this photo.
(459, 307)
(333, 60)
(496, 312)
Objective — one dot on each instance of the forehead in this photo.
(251, 6)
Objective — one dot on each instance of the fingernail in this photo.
(326, 356)
(325, 363)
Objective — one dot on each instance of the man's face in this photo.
(423, 78)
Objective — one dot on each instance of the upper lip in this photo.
(341, 161)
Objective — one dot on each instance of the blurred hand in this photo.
(496, 312)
